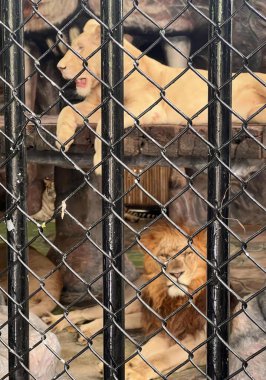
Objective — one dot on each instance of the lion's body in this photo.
(186, 321)
(165, 295)
(188, 94)
(185, 274)
(44, 353)
(174, 270)
(40, 303)
(248, 340)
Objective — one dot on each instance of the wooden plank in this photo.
(185, 142)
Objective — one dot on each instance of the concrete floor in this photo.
(86, 366)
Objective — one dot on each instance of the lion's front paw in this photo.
(82, 341)
(65, 129)
(137, 370)
(89, 329)
(97, 158)
(98, 170)
(134, 374)
(51, 319)
(131, 374)
(100, 368)
(60, 145)
(64, 133)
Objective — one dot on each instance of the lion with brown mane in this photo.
(173, 287)
(172, 308)
(175, 272)
(180, 95)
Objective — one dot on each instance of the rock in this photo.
(247, 339)
(243, 210)
(43, 361)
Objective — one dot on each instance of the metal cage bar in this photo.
(112, 187)
(219, 131)
(160, 148)
(13, 72)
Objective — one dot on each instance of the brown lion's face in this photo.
(183, 272)
(84, 62)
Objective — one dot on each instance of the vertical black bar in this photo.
(112, 185)
(219, 131)
(13, 71)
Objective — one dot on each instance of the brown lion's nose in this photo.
(176, 274)
(61, 66)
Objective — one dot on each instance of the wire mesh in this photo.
(98, 108)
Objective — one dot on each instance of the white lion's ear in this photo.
(93, 28)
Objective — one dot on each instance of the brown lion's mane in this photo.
(187, 320)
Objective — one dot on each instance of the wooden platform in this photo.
(183, 145)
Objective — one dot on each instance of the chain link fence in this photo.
(157, 105)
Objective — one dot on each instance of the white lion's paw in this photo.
(98, 171)
(82, 341)
(51, 319)
(97, 156)
(65, 128)
(100, 368)
(136, 369)
(132, 374)
(96, 161)
(87, 331)
(59, 145)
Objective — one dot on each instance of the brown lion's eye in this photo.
(187, 253)
(164, 257)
